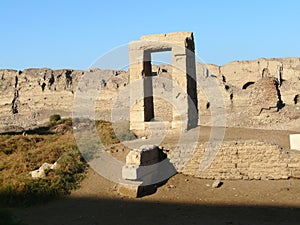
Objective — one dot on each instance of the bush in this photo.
(54, 118)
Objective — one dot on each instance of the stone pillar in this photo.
(137, 118)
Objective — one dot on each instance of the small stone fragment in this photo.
(216, 184)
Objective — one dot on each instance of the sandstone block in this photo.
(146, 155)
(295, 141)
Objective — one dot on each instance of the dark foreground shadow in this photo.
(93, 211)
(45, 130)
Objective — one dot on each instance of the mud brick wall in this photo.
(246, 160)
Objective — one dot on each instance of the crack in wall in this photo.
(68, 75)
(15, 101)
(51, 80)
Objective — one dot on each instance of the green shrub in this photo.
(124, 134)
(54, 118)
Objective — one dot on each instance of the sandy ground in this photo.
(182, 200)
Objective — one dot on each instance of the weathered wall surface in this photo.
(251, 96)
(29, 97)
(239, 73)
(245, 160)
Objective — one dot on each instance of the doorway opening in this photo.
(156, 65)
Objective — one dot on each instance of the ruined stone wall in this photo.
(251, 99)
(29, 97)
(246, 160)
(239, 73)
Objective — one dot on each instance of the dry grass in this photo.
(20, 154)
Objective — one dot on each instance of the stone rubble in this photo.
(40, 172)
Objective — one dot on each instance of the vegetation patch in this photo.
(21, 153)
(110, 134)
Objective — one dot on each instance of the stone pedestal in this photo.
(142, 166)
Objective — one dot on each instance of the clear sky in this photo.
(72, 34)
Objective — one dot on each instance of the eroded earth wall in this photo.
(263, 93)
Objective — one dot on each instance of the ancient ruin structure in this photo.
(262, 94)
(183, 76)
(29, 97)
(142, 168)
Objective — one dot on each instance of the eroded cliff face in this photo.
(29, 97)
(262, 93)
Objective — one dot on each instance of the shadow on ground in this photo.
(93, 211)
(45, 130)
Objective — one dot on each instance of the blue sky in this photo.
(73, 34)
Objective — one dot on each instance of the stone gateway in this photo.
(183, 77)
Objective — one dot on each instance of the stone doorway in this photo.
(149, 72)
(184, 96)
